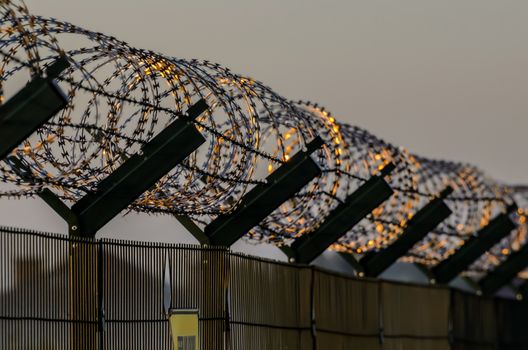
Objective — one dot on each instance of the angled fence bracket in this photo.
(423, 222)
(31, 107)
(472, 283)
(522, 292)
(344, 217)
(506, 272)
(288, 251)
(476, 246)
(424, 269)
(23, 171)
(135, 176)
(140, 172)
(354, 263)
(193, 229)
(60, 208)
(263, 199)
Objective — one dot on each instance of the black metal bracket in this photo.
(263, 199)
(140, 172)
(480, 243)
(516, 290)
(506, 272)
(424, 269)
(522, 291)
(31, 107)
(193, 229)
(135, 176)
(23, 171)
(60, 208)
(471, 282)
(344, 217)
(423, 222)
(354, 263)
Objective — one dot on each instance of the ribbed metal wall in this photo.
(347, 312)
(474, 322)
(270, 304)
(61, 293)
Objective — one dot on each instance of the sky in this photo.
(446, 79)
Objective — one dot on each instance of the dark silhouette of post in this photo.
(263, 199)
(423, 222)
(480, 243)
(506, 272)
(31, 107)
(344, 217)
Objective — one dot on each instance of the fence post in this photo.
(83, 293)
(215, 274)
(100, 293)
(381, 313)
(313, 327)
(451, 324)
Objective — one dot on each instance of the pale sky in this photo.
(447, 79)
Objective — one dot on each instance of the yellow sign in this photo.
(184, 329)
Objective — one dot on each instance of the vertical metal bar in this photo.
(83, 294)
(313, 322)
(100, 293)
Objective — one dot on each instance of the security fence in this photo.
(63, 293)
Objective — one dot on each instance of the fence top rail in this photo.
(106, 241)
(202, 248)
(195, 247)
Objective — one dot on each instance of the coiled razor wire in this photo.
(120, 97)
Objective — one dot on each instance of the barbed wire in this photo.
(120, 97)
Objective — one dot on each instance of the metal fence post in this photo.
(215, 274)
(100, 293)
(313, 316)
(83, 293)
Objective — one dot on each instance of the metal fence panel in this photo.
(512, 324)
(268, 299)
(416, 344)
(474, 321)
(346, 306)
(415, 311)
(63, 293)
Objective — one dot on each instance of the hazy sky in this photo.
(447, 79)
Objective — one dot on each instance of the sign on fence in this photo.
(184, 329)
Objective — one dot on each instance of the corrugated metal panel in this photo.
(62, 293)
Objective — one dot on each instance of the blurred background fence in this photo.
(63, 293)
